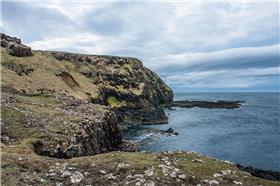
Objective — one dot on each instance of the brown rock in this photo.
(14, 45)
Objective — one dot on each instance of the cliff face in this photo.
(69, 105)
(133, 91)
(58, 126)
(122, 83)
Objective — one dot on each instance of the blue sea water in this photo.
(249, 135)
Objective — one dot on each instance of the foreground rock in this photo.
(122, 168)
(206, 104)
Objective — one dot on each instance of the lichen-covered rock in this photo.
(14, 46)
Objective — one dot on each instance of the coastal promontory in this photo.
(62, 118)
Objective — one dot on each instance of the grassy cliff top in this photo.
(82, 76)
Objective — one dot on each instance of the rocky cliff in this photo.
(58, 109)
(73, 105)
(122, 83)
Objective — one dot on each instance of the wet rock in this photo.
(171, 131)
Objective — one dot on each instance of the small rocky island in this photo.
(62, 119)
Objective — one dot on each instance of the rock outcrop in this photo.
(97, 132)
(14, 45)
(206, 104)
(135, 92)
(60, 127)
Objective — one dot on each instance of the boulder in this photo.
(171, 131)
(20, 50)
(14, 46)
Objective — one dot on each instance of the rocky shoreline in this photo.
(62, 115)
(266, 174)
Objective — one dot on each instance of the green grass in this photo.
(113, 102)
(14, 124)
(41, 99)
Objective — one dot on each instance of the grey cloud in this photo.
(33, 23)
(188, 44)
(239, 58)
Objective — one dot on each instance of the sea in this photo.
(249, 135)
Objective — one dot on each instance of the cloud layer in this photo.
(194, 46)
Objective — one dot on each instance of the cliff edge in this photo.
(59, 109)
(69, 105)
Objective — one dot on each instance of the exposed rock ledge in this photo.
(206, 104)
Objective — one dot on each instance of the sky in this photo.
(193, 46)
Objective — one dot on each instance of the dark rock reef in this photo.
(206, 104)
